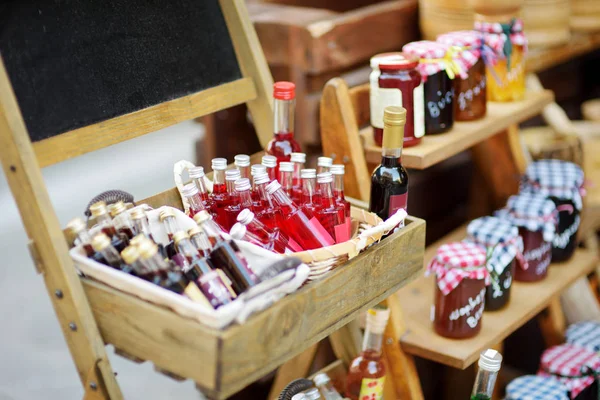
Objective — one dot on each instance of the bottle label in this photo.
(419, 111)
(381, 98)
(320, 231)
(349, 226)
(341, 233)
(371, 389)
(397, 201)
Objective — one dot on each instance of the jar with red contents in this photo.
(461, 278)
(470, 99)
(536, 218)
(395, 81)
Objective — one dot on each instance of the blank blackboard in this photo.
(73, 63)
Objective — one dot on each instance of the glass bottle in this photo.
(331, 214)
(489, 365)
(299, 159)
(80, 235)
(366, 374)
(281, 242)
(191, 193)
(233, 208)
(307, 232)
(338, 171)
(324, 164)
(283, 143)
(140, 223)
(200, 241)
(160, 272)
(256, 169)
(268, 213)
(122, 221)
(133, 264)
(101, 244)
(324, 384)
(219, 194)
(309, 200)
(104, 221)
(184, 246)
(270, 163)
(242, 163)
(240, 232)
(389, 182)
(197, 175)
(286, 172)
(312, 394)
(169, 221)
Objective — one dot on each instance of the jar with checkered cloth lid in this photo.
(504, 247)
(575, 367)
(461, 278)
(438, 65)
(530, 387)
(470, 96)
(585, 334)
(536, 217)
(561, 182)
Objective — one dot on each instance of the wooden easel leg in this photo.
(297, 367)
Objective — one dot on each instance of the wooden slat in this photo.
(541, 59)
(116, 130)
(436, 148)
(527, 299)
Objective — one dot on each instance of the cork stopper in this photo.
(100, 242)
(394, 119)
(377, 319)
(130, 255)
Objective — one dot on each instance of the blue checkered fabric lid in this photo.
(556, 178)
(585, 334)
(499, 236)
(534, 212)
(533, 387)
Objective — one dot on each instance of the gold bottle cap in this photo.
(130, 254)
(164, 214)
(117, 209)
(179, 236)
(147, 249)
(100, 242)
(202, 217)
(394, 115)
(98, 209)
(394, 119)
(138, 240)
(194, 231)
(76, 225)
(138, 213)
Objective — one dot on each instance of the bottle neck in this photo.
(218, 177)
(245, 198)
(200, 240)
(195, 201)
(484, 383)
(282, 199)
(212, 231)
(393, 140)
(201, 185)
(326, 195)
(285, 179)
(372, 342)
(186, 248)
(272, 171)
(296, 181)
(244, 171)
(263, 196)
(283, 112)
(84, 237)
(142, 226)
(308, 190)
(231, 187)
(170, 225)
(338, 186)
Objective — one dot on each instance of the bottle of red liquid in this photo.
(338, 170)
(269, 214)
(324, 164)
(366, 375)
(219, 194)
(331, 214)
(254, 170)
(232, 208)
(286, 172)
(191, 193)
(309, 200)
(270, 163)
(240, 232)
(283, 144)
(280, 241)
(299, 159)
(198, 177)
(307, 232)
(242, 162)
(241, 200)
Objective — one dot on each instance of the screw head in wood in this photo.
(93, 386)
(72, 326)
(58, 293)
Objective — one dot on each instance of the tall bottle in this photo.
(233, 208)
(331, 214)
(270, 163)
(283, 144)
(366, 375)
(219, 194)
(286, 172)
(299, 159)
(489, 365)
(192, 194)
(338, 171)
(198, 177)
(324, 164)
(269, 214)
(309, 200)
(324, 384)
(242, 162)
(389, 182)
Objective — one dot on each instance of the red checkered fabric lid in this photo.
(495, 37)
(435, 57)
(572, 365)
(469, 41)
(457, 261)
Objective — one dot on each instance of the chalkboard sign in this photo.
(73, 63)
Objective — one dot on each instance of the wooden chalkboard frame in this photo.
(22, 162)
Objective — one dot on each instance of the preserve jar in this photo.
(505, 48)
(530, 387)
(470, 98)
(505, 250)
(573, 366)
(461, 278)
(395, 81)
(535, 216)
(561, 182)
(584, 334)
(436, 67)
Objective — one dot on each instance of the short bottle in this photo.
(80, 235)
(122, 221)
(286, 172)
(101, 243)
(192, 195)
(240, 232)
(489, 365)
(219, 195)
(254, 170)
(232, 176)
(270, 163)
(242, 163)
(338, 171)
(132, 261)
(104, 221)
(141, 226)
(267, 213)
(328, 392)
(197, 176)
(324, 164)
(299, 160)
(169, 221)
(200, 241)
(160, 271)
(281, 242)
(330, 213)
(309, 202)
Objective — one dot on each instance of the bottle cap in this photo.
(138, 239)
(298, 158)
(324, 161)
(284, 90)
(196, 172)
(490, 360)
(308, 173)
(269, 161)
(394, 61)
(100, 242)
(189, 190)
(299, 396)
(324, 177)
(377, 319)
(312, 394)
(130, 255)
(242, 160)
(138, 213)
(261, 177)
(194, 231)
(98, 209)
(238, 231)
(242, 184)
(147, 249)
(273, 187)
(256, 168)
(179, 236)
(393, 115)
(232, 174)
(337, 169)
(218, 164)
(286, 166)
(76, 225)
(245, 216)
(166, 213)
(321, 379)
(202, 217)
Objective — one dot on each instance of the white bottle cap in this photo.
(256, 168)
(324, 162)
(337, 169)
(261, 177)
(242, 160)
(308, 173)
(196, 172)
(273, 187)
(237, 231)
(232, 174)
(324, 177)
(286, 166)
(490, 360)
(245, 216)
(189, 190)
(242, 184)
(219, 164)
(377, 319)
(321, 379)
(298, 158)
(269, 161)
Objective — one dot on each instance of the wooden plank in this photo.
(527, 300)
(436, 148)
(119, 129)
(541, 59)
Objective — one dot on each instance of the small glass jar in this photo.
(470, 93)
(395, 81)
(536, 387)
(437, 85)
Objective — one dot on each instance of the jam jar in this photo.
(505, 48)
(437, 84)
(573, 366)
(470, 94)
(561, 182)
(529, 387)
(535, 216)
(395, 81)
(504, 247)
(461, 278)
(584, 334)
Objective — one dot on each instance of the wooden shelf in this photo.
(541, 59)
(527, 300)
(436, 148)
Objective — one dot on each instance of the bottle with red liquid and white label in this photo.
(270, 163)
(269, 214)
(283, 143)
(242, 163)
(338, 170)
(307, 232)
(279, 240)
(219, 193)
(192, 195)
(309, 201)
(389, 182)
(298, 159)
(324, 164)
(330, 213)
(286, 172)
(197, 175)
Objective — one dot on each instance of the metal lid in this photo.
(284, 90)
(490, 360)
(395, 60)
(179, 236)
(194, 231)
(298, 158)
(242, 184)
(308, 173)
(189, 190)
(261, 177)
(325, 177)
(218, 164)
(286, 166)
(76, 225)
(377, 319)
(324, 161)
(273, 187)
(257, 168)
(166, 213)
(202, 217)
(100, 242)
(196, 172)
(117, 208)
(394, 116)
(130, 254)
(138, 239)
(232, 174)
(148, 249)
(138, 213)
(269, 161)
(238, 231)
(98, 209)
(245, 216)
(321, 379)
(242, 160)
(337, 169)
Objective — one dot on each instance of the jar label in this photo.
(436, 106)
(469, 308)
(466, 98)
(371, 389)
(381, 98)
(419, 111)
(561, 240)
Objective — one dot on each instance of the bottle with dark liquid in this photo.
(489, 365)
(133, 264)
(324, 164)
(270, 163)
(159, 270)
(105, 222)
(192, 195)
(309, 202)
(219, 194)
(242, 163)
(80, 235)
(269, 214)
(167, 218)
(389, 182)
(200, 241)
(298, 159)
(366, 374)
(101, 244)
(140, 223)
(197, 175)
(286, 171)
(338, 171)
(331, 214)
(122, 221)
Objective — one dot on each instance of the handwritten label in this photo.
(537, 255)
(371, 389)
(444, 100)
(561, 240)
(470, 308)
(465, 98)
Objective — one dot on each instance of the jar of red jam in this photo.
(505, 250)
(470, 99)
(434, 60)
(535, 216)
(561, 182)
(461, 279)
(395, 81)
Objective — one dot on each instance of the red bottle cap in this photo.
(284, 90)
